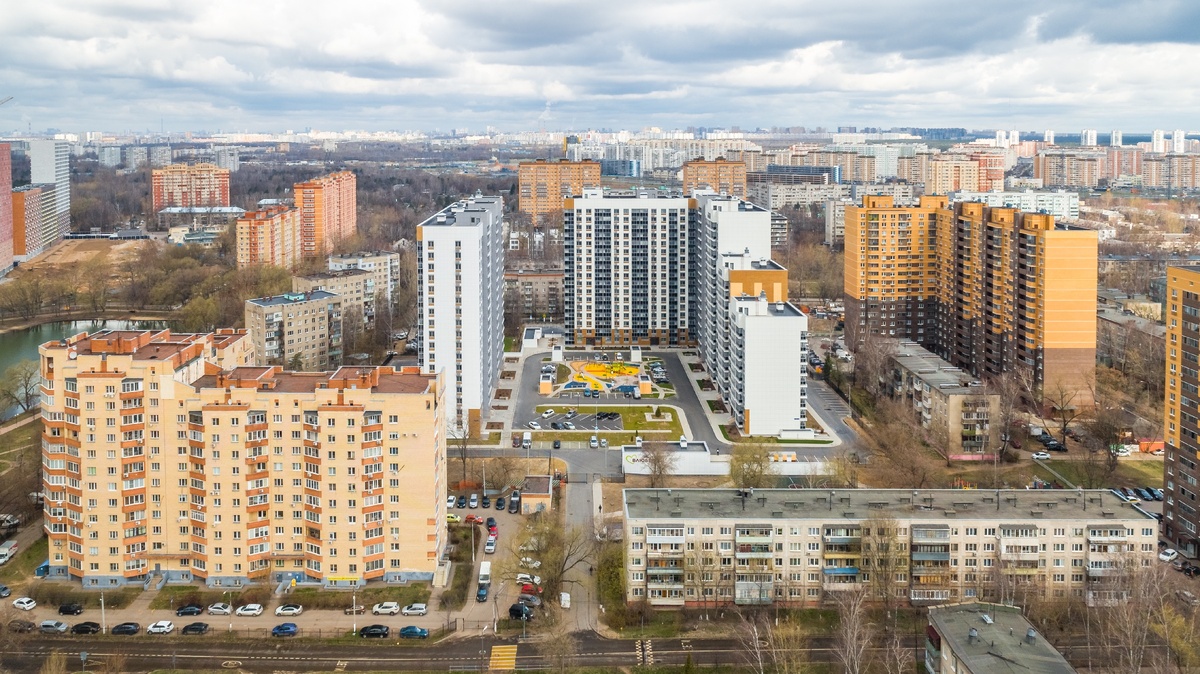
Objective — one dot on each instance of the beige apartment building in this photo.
(383, 265)
(720, 175)
(269, 236)
(544, 185)
(166, 455)
(947, 400)
(303, 329)
(328, 207)
(797, 547)
(355, 287)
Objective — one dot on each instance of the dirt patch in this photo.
(696, 367)
(74, 252)
(512, 360)
(503, 393)
(716, 406)
(495, 425)
(508, 374)
(705, 385)
(500, 407)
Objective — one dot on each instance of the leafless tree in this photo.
(1064, 404)
(872, 363)
(558, 644)
(20, 384)
(660, 462)
(560, 548)
(55, 663)
(1129, 620)
(750, 466)
(897, 657)
(854, 631)
(752, 635)
(881, 554)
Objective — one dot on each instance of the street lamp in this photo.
(103, 616)
(354, 607)
(482, 631)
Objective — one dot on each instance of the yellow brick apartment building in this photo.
(166, 455)
(543, 185)
(987, 289)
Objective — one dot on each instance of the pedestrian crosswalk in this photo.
(504, 658)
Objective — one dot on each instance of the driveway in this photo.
(829, 406)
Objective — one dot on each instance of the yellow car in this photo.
(452, 518)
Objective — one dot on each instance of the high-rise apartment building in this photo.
(384, 267)
(6, 209)
(1070, 168)
(1116, 138)
(951, 174)
(1048, 137)
(50, 163)
(269, 236)
(1087, 137)
(27, 217)
(160, 156)
(136, 156)
(460, 302)
(189, 185)
(544, 184)
(328, 208)
(626, 268)
(726, 547)
(987, 289)
(300, 330)
(1179, 141)
(334, 477)
(1158, 141)
(720, 175)
(1176, 171)
(227, 157)
(109, 155)
(1181, 511)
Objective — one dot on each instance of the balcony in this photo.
(664, 554)
(931, 556)
(761, 551)
(1020, 556)
(749, 594)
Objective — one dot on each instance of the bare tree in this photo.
(752, 635)
(1064, 404)
(854, 631)
(897, 657)
(872, 363)
(55, 663)
(881, 554)
(560, 548)
(20, 384)
(660, 462)
(557, 645)
(1136, 601)
(461, 436)
(750, 466)
(788, 641)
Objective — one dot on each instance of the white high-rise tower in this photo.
(1048, 137)
(1116, 139)
(1087, 137)
(1158, 141)
(1179, 141)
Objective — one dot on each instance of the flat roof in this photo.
(994, 639)
(228, 210)
(291, 298)
(933, 371)
(1098, 507)
(452, 215)
(338, 273)
(381, 379)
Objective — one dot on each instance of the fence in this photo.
(217, 632)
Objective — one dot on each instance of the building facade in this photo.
(50, 163)
(334, 477)
(189, 185)
(299, 330)
(987, 289)
(544, 184)
(534, 293)
(797, 547)
(720, 175)
(269, 236)
(946, 400)
(626, 274)
(6, 210)
(355, 287)
(198, 217)
(384, 267)
(764, 368)
(328, 208)
(1181, 514)
(1059, 203)
(460, 302)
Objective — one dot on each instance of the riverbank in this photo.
(8, 325)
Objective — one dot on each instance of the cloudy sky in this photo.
(271, 65)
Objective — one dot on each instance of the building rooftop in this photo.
(464, 213)
(537, 484)
(744, 261)
(607, 193)
(227, 210)
(935, 372)
(757, 305)
(1123, 318)
(383, 379)
(291, 298)
(1016, 506)
(340, 273)
(994, 639)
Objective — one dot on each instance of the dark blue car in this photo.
(285, 630)
(414, 632)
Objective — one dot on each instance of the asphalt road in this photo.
(828, 405)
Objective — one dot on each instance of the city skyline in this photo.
(130, 65)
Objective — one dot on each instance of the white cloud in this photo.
(422, 63)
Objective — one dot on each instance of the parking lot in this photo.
(571, 419)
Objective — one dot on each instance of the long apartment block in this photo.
(987, 289)
(697, 547)
(1181, 412)
(167, 455)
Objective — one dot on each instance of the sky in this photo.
(273, 65)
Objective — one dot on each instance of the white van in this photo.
(564, 599)
(7, 551)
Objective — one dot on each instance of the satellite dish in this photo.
(72, 354)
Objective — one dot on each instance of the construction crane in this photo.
(3, 101)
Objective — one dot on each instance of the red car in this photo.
(473, 519)
(529, 588)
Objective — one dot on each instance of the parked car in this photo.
(20, 626)
(474, 502)
(481, 594)
(1143, 494)
(250, 610)
(1187, 597)
(1155, 493)
(450, 500)
(499, 503)
(53, 627)
(374, 632)
(1040, 456)
(220, 609)
(25, 604)
(387, 607)
(355, 610)
(533, 425)
(558, 444)
(190, 609)
(548, 413)
(1168, 555)
(491, 522)
(413, 632)
(126, 629)
(520, 612)
(555, 426)
(473, 519)
(487, 501)
(195, 628)
(1130, 495)
(516, 440)
(530, 588)
(85, 628)
(572, 414)
(70, 609)
(568, 426)
(461, 502)
(490, 546)
(4, 591)
(289, 610)
(513, 506)
(529, 578)
(285, 630)
(529, 563)
(161, 627)
(414, 609)
(530, 599)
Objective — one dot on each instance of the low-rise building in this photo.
(977, 638)
(300, 330)
(947, 400)
(383, 265)
(717, 547)
(355, 287)
(198, 217)
(534, 293)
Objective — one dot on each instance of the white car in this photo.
(250, 609)
(1158, 452)
(547, 414)
(570, 426)
(220, 609)
(450, 501)
(25, 604)
(1168, 555)
(388, 607)
(534, 425)
(490, 547)
(1041, 456)
(414, 609)
(529, 563)
(161, 627)
(523, 578)
(289, 609)
(474, 502)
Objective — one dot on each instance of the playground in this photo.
(600, 376)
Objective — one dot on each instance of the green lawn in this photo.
(1140, 473)
(26, 561)
(512, 344)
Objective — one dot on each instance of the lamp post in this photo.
(103, 615)
(354, 607)
(481, 649)
(229, 604)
